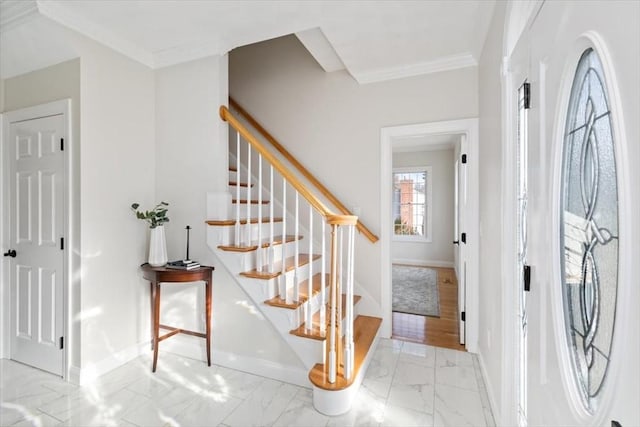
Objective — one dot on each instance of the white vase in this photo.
(157, 247)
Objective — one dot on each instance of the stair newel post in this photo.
(333, 304)
(296, 276)
(248, 226)
(259, 251)
(349, 348)
(283, 275)
(309, 316)
(237, 227)
(271, 253)
(323, 279)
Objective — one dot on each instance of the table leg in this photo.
(151, 311)
(208, 317)
(156, 325)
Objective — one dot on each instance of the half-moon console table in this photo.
(157, 275)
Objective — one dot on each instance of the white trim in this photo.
(90, 373)
(423, 262)
(194, 348)
(487, 385)
(469, 127)
(63, 15)
(626, 305)
(16, 13)
(62, 107)
(510, 331)
(446, 63)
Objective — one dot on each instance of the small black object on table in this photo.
(157, 275)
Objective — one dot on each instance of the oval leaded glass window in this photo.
(589, 240)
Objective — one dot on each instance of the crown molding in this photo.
(442, 64)
(15, 13)
(56, 12)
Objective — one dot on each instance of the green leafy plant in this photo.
(155, 217)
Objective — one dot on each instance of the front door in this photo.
(583, 71)
(36, 168)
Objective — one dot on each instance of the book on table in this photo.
(183, 264)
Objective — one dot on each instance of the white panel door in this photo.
(36, 200)
(463, 254)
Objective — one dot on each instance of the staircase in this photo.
(294, 257)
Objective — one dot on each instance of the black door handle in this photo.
(456, 242)
(11, 252)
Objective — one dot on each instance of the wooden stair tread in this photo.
(233, 169)
(265, 243)
(241, 184)
(304, 290)
(365, 329)
(303, 259)
(253, 201)
(315, 333)
(227, 222)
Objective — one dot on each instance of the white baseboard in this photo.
(193, 348)
(86, 375)
(424, 263)
(186, 347)
(489, 387)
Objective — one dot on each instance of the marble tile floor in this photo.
(407, 384)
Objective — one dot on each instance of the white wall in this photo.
(191, 162)
(490, 339)
(332, 124)
(439, 251)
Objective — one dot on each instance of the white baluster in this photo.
(309, 318)
(333, 302)
(272, 248)
(237, 227)
(259, 252)
(283, 276)
(248, 225)
(349, 348)
(323, 280)
(296, 276)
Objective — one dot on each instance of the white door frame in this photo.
(44, 110)
(468, 127)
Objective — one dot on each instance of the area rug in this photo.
(415, 290)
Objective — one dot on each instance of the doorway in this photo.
(34, 230)
(424, 243)
(430, 135)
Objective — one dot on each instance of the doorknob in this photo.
(11, 252)
(456, 242)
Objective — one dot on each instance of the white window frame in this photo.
(428, 237)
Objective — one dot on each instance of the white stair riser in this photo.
(254, 211)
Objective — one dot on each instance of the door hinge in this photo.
(61, 144)
(464, 159)
(61, 343)
(526, 277)
(526, 93)
(463, 316)
(463, 238)
(62, 243)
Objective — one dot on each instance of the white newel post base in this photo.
(157, 247)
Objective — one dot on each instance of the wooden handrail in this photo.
(226, 115)
(325, 192)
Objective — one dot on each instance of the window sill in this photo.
(412, 239)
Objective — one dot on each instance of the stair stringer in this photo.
(309, 351)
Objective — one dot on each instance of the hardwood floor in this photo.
(437, 331)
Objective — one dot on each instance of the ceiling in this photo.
(372, 40)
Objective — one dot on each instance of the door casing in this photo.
(469, 128)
